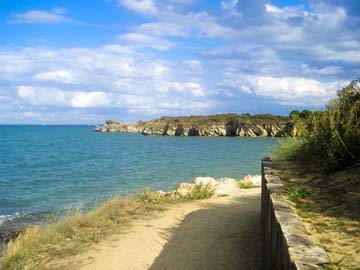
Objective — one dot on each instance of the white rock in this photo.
(229, 182)
(211, 182)
(161, 193)
(255, 180)
(184, 189)
(219, 192)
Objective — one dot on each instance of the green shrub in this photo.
(331, 139)
(200, 192)
(245, 184)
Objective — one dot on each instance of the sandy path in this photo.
(220, 233)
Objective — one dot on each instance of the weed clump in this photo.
(245, 184)
(200, 192)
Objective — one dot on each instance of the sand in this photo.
(219, 233)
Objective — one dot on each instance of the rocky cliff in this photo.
(259, 127)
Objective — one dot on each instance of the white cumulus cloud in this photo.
(62, 76)
(146, 7)
(41, 17)
(45, 96)
(288, 90)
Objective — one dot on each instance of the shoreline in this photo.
(235, 129)
(98, 220)
(222, 125)
(15, 223)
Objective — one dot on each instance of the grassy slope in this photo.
(326, 184)
(219, 119)
(329, 206)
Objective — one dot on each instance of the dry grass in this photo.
(75, 232)
(330, 211)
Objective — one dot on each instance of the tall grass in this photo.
(331, 139)
(77, 230)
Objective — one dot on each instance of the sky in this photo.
(82, 62)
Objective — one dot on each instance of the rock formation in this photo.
(219, 187)
(230, 128)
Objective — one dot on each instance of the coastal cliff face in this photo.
(230, 128)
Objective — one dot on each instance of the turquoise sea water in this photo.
(45, 169)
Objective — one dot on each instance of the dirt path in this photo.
(220, 233)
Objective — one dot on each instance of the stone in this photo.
(171, 132)
(294, 240)
(180, 131)
(158, 132)
(161, 193)
(307, 266)
(146, 132)
(273, 130)
(254, 180)
(171, 193)
(184, 189)
(311, 255)
(260, 131)
(211, 182)
(280, 204)
(230, 182)
(272, 179)
(250, 133)
(193, 131)
(221, 131)
(289, 223)
(225, 187)
(219, 192)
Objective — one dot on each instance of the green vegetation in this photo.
(295, 195)
(218, 119)
(331, 139)
(77, 231)
(245, 184)
(200, 192)
(328, 204)
(295, 114)
(329, 207)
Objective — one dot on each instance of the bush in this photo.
(245, 184)
(200, 192)
(331, 139)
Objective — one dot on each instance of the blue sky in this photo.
(86, 61)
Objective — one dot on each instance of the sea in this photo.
(44, 170)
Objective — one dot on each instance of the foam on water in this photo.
(5, 218)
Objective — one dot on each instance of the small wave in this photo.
(5, 218)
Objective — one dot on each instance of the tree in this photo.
(305, 114)
(294, 114)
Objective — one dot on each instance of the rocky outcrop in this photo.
(113, 126)
(219, 187)
(8, 234)
(230, 129)
(193, 131)
(180, 131)
(184, 189)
